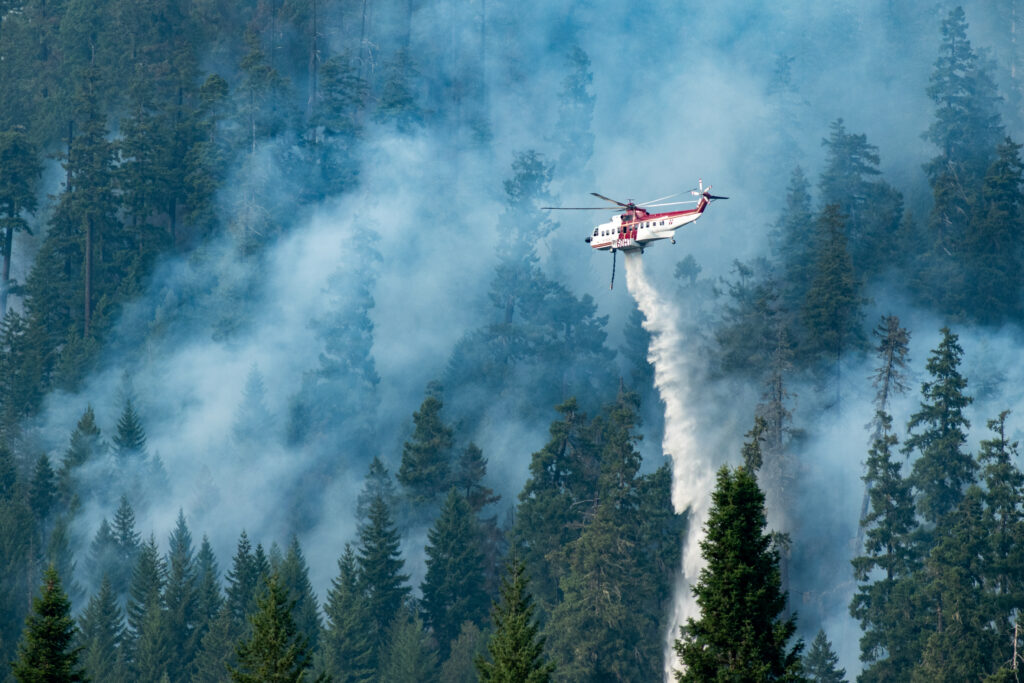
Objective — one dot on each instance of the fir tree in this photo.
(46, 652)
(348, 649)
(130, 440)
(42, 490)
(425, 473)
(244, 581)
(943, 470)
(408, 658)
(275, 651)
(453, 589)
(516, 648)
(460, 667)
(379, 564)
(294, 576)
(126, 546)
(470, 470)
(181, 598)
(378, 482)
(102, 630)
(820, 662)
(147, 643)
(85, 446)
(890, 549)
(739, 634)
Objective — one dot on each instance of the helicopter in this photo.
(636, 226)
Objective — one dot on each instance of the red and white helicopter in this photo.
(636, 227)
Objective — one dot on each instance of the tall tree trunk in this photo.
(88, 275)
(5, 282)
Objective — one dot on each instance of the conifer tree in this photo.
(42, 490)
(130, 440)
(181, 598)
(408, 657)
(348, 649)
(208, 599)
(453, 589)
(85, 446)
(102, 630)
(378, 482)
(792, 241)
(470, 470)
(739, 634)
(253, 422)
(890, 549)
(216, 650)
(820, 663)
(379, 564)
(275, 650)
(22, 169)
(294, 576)
(46, 652)
(425, 472)
(516, 648)
(460, 667)
(943, 470)
(831, 310)
(244, 580)
(146, 642)
(126, 546)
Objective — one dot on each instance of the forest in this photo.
(299, 381)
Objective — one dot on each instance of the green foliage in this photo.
(20, 162)
(347, 647)
(453, 589)
(739, 634)
(181, 598)
(516, 648)
(381, 582)
(102, 633)
(294, 576)
(460, 667)
(46, 652)
(820, 663)
(943, 470)
(276, 652)
(409, 657)
(425, 472)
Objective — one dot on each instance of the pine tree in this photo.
(943, 470)
(425, 472)
(42, 491)
(85, 446)
(739, 634)
(453, 589)
(379, 564)
(348, 649)
(831, 311)
(378, 482)
(516, 648)
(275, 651)
(408, 657)
(46, 652)
(470, 470)
(820, 662)
(792, 241)
(22, 169)
(130, 440)
(208, 599)
(243, 584)
(889, 548)
(181, 598)
(126, 546)
(294, 576)
(102, 631)
(460, 667)
(147, 643)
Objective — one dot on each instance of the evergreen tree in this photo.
(379, 564)
(208, 599)
(126, 546)
(22, 169)
(453, 589)
(792, 241)
(516, 648)
(244, 580)
(378, 482)
(348, 649)
(46, 652)
(130, 440)
(889, 548)
(425, 473)
(820, 662)
(831, 311)
(181, 598)
(42, 491)
(460, 667)
(85, 446)
(470, 470)
(147, 643)
(253, 423)
(294, 576)
(943, 470)
(276, 651)
(216, 650)
(739, 634)
(408, 658)
(102, 630)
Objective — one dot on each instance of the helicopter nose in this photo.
(587, 239)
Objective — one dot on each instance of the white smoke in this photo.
(692, 472)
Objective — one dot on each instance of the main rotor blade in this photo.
(581, 208)
(668, 196)
(609, 199)
(715, 196)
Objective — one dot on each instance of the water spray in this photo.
(692, 472)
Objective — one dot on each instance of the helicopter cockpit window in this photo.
(595, 232)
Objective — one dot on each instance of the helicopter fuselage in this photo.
(636, 228)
